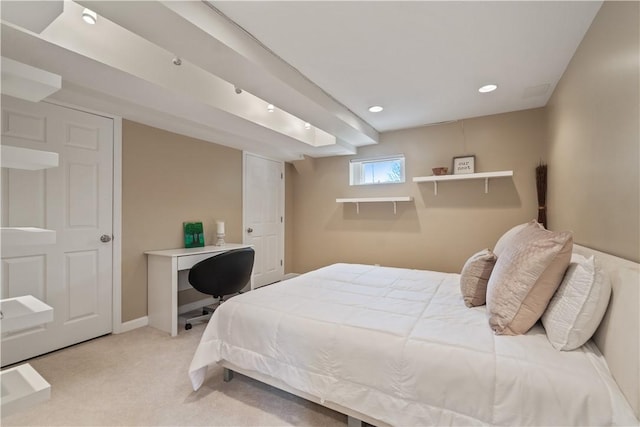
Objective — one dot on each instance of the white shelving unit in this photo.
(482, 175)
(358, 200)
(22, 386)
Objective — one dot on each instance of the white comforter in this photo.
(400, 346)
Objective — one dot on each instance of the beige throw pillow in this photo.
(474, 277)
(525, 277)
(504, 240)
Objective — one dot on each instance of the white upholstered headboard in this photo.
(618, 336)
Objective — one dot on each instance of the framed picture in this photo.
(193, 234)
(464, 164)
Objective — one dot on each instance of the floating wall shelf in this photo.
(25, 158)
(23, 312)
(26, 82)
(21, 236)
(22, 387)
(482, 175)
(358, 200)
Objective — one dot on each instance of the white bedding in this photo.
(400, 346)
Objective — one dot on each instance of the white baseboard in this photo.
(289, 276)
(140, 322)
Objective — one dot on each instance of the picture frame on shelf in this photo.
(464, 165)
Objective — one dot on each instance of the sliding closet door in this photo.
(74, 275)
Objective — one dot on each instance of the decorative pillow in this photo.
(474, 277)
(577, 308)
(525, 277)
(503, 241)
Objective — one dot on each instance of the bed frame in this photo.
(618, 338)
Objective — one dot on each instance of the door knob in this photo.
(249, 230)
(105, 238)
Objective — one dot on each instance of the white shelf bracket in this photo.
(357, 208)
(395, 210)
(486, 185)
(435, 188)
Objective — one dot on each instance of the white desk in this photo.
(162, 281)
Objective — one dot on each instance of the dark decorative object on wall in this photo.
(541, 185)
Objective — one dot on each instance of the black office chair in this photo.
(221, 275)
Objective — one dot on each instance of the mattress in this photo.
(400, 346)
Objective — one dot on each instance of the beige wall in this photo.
(588, 134)
(594, 142)
(433, 232)
(168, 179)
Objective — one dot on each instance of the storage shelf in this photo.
(358, 200)
(23, 312)
(22, 387)
(482, 175)
(21, 236)
(25, 158)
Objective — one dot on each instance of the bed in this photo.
(393, 346)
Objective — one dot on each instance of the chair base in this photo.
(207, 312)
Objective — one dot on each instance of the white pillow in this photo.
(577, 308)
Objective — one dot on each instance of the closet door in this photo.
(74, 275)
(263, 216)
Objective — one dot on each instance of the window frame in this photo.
(356, 169)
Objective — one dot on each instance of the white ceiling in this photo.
(422, 60)
(319, 62)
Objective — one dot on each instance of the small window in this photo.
(378, 170)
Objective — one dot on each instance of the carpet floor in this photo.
(140, 378)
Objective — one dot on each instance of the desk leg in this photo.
(162, 289)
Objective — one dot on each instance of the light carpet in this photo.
(140, 378)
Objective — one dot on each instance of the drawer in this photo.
(188, 261)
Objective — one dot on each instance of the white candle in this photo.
(220, 225)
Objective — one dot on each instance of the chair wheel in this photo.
(188, 326)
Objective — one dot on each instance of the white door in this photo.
(74, 275)
(263, 216)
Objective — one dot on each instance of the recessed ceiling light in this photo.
(375, 109)
(307, 126)
(488, 88)
(270, 108)
(89, 16)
